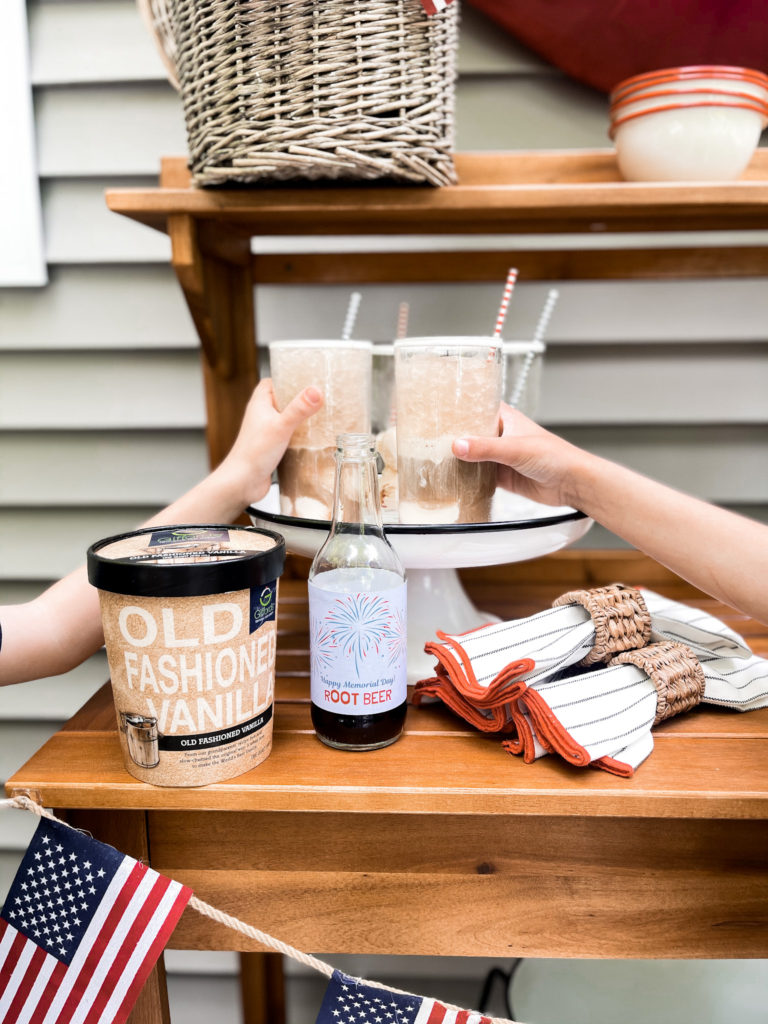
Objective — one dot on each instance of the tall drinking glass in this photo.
(342, 371)
(446, 388)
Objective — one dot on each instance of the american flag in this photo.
(434, 6)
(349, 1001)
(81, 930)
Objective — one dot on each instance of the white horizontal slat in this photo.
(581, 992)
(16, 829)
(19, 740)
(80, 229)
(95, 41)
(62, 537)
(586, 313)
(17, 593)
(58, 697)
(98, 307)
(727, 465)
(118, 129)
(723, 383)
(9, 865)
(625, 384)
(599, 991)
(116, 468)
(110, 307)
(123, 129)
(597, 537)
(529, 112)
(505, 243)
(121, 49)
(100, 389)
(202, 962)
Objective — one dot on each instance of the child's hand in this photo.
(264, 435)
(532, 462)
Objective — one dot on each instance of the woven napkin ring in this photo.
(621, 620)
(674, 670)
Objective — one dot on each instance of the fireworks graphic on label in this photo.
(360, 623)
(397, 638)
(323, 646)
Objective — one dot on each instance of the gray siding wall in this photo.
(100, 367)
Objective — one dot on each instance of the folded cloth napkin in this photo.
(604, 717)
(483, 667)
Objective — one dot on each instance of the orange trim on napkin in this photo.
(457, 665)
(610, 764)
(523, 743)
(497, 721)
(550, 731)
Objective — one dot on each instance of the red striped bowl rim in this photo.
(652, 94)
(618, 122)
(691, 71)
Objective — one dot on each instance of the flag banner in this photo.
(83, 925)
(81, 929)
(435, 6)
(350, 1001)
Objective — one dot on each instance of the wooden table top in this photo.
(710, 763)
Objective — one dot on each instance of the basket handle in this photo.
(157, 18)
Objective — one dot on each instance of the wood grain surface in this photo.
(443, 843)
(546, 191)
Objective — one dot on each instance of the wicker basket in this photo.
(318, 89)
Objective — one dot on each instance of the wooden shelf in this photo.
(569, 192)
(523, 192)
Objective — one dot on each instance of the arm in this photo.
(62, 627)
(721, 553)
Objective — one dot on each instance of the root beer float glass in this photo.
(342, 371)
(446, 388)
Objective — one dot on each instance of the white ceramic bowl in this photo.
(704, 143)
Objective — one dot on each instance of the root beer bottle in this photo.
(357, 613)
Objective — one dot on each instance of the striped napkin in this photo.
(523, 679)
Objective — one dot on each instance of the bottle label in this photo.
(358, 649)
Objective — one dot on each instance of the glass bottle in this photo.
(357, 613)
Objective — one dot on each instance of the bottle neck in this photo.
(356, 499)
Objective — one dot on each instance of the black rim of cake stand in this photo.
(430, 528)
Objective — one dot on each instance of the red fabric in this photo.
(600, 42)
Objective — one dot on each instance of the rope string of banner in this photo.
(25, 803)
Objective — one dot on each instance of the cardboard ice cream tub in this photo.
(190, 627)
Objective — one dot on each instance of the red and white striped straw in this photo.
(402, 320)
(506, 296)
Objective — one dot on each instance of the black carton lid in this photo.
(186, 561)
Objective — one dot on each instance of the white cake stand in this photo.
(519, 530)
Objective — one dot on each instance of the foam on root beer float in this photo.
(190, 626)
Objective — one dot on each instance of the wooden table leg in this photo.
(262, 987)
(215, 272)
